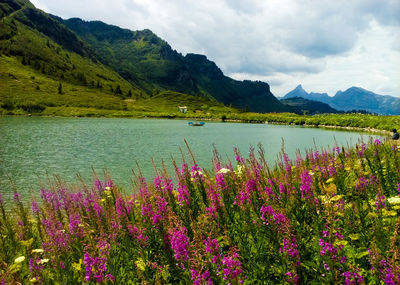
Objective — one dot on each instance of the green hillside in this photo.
(149, 62)
(53, 66)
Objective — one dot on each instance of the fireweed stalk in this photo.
(330, 217)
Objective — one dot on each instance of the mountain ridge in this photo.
(353, 98)
(134, 63)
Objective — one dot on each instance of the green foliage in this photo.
(331, 217)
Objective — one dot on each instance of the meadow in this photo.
(330, 217)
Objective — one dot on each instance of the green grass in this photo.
(23, 85)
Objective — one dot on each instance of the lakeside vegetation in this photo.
(27, 91)
(331, 217)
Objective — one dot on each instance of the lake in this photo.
(32, 148)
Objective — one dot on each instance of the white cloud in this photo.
(325, 45)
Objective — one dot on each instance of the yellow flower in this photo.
(387, 213)
(240, 169)
(224, 170)
(44, 261)
(336, 198)
(372, 215)
(140, 264)
(331, 189)
(354, 236)
(19, 259)
(394, 200)
(330, 180)
(38, 250)
(77, 266)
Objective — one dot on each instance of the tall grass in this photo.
(331, 217)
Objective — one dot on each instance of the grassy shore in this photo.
(331, 217)
(361, 122)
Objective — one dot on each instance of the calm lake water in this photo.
(31, 148)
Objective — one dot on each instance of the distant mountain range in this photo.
(111, 61)
(354, 98)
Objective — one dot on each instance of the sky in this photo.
(324, 45)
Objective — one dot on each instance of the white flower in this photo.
(44, 261)
(19, 259)
(224, 170)
(394, 200)
(38, 250)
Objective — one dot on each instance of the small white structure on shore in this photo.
(183, 109)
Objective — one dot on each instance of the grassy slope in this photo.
(19, 89)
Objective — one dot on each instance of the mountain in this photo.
(149, 62)
(300, 92)
(104, 60)
(354, 98)
(302, 106)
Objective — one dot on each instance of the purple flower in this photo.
(287, 163)
(353, 278)
(96, 267)
(380, 203)
(35, 207)
(266, 210)
(362, 151)
(180, 244)
(212, 245)
(239, 159)
(98, 185)
(362, 183)
(306, 184)
(16, 197)
(98, 209)
(220, 181)
(232, 266)
(377, 142)
(326, 266)
(183, 194)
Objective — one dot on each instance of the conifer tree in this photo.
(60, 88)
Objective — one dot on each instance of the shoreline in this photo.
(227, 120)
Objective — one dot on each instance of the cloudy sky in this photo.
(324, 45)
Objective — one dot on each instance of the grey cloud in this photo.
(260, 37)
(386, 12)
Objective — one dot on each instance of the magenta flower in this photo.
(35, 207)
(183, 194)
(96, 267)
(212, 245)
(380, 201)
(306, 185)
(16, 197)
(362, 184)
(232, 266)
(398, 188)
(353, 278)
(180, 244)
